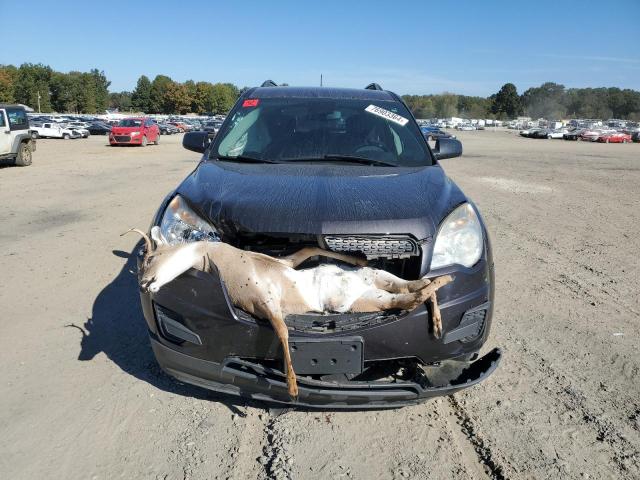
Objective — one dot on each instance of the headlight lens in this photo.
(180, 224)
(459, 239)
(134, 134)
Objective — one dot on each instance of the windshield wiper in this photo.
(241, 158)
(346, 158)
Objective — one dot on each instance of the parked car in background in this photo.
(84, 132)
(212, 127)
(558, 133)
(590, 135)
(99, 129)
(135, 131)
(635, 137)
(617, 137)
(433, 133)
(168, 129)
(53, 130)
(573, 134)
(179, 125)
(465, 127)
(16, 143)
(529, 132)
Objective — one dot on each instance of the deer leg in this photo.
(297, 258)
(378, 300)
(389, 282)
(282, 332)
(436, 317)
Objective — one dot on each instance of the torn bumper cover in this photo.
(240, 377)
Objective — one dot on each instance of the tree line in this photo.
(88, 92)
(549, 100)
(37, 84)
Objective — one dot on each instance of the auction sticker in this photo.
(381, 112)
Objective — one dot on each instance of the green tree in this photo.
(506, 103)
(223, 97)
(33, 80)
(545, 101)
(158, 93)
(176, 98)
(446, 105)
(8, 78)
(120, 101)
(141, 96)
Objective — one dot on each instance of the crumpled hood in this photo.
(322, 199)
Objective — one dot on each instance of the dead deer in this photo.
(271, 288)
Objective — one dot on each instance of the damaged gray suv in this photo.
(346, 170)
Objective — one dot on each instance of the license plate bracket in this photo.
(326, 356)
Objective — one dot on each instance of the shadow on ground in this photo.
(117, 328)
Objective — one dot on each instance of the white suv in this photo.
(15, 139)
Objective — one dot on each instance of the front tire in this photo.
(144, 141)
(66, 136)
(24, 157)
(34, 135)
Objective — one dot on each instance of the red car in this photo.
(617, 137)
(135, 131)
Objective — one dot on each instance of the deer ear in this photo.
(157, 236)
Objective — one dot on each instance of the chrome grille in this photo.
(383, 246)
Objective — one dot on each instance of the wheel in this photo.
(24, 155)
(606, 141)
(549, 137)
(66, 136)
(157, 141)
(624, 140)
(34, 135)
(144, 141)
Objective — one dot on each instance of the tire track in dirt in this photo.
(492, 468)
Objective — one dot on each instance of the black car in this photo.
(347, 170)
(168, 129)
(99, 129)
(212, 127)
(573, 134)
(635, 137)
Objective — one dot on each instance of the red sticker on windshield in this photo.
(251, 102)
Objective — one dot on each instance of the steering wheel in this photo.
(372, 146)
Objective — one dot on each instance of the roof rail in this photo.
(269, 83)
(373, 86)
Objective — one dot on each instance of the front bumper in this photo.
(230, 352)
(246, 379)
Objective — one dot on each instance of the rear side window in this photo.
(17, 119)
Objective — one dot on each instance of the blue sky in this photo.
(421, 47)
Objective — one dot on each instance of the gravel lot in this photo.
(83, 398)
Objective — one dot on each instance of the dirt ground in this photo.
(81, 396)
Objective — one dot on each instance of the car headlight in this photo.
(459, 239)
(135, 134)
(181, 224)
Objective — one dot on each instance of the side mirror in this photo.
(447, 148)
(196, 141)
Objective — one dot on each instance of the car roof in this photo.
(320, 92)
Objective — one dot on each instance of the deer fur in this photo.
(271, 288)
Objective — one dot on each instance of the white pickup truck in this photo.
(53, 130)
